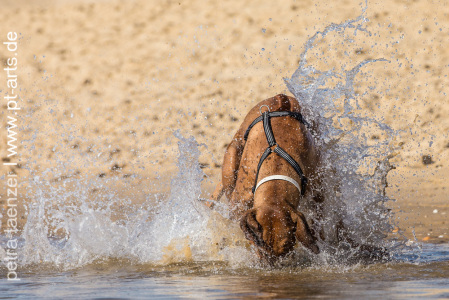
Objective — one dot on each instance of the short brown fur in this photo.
(269, 218)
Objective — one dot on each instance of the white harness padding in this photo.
(278, 177)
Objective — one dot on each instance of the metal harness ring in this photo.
(260, 108)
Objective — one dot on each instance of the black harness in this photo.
(266, 119)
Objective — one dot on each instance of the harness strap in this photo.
(281, 152)
(268, 131)
(274, 114)
(262, 158)
(265, 117)
(279, 177)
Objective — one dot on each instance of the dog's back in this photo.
(290, 134)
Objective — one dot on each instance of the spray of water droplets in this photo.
(70, 226)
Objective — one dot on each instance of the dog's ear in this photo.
(303, 233)
(251, 228)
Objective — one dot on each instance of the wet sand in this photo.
(103, 85)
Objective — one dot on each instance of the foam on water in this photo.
(68, 226)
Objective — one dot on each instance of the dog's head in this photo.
(275, 232)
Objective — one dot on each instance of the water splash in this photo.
(70, 226)
(354, 159)
(180, 219)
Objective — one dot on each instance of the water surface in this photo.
(423, 275)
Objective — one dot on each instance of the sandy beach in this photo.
(103, 86)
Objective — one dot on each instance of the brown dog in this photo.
(269, 216)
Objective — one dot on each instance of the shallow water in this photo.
(422, 275)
